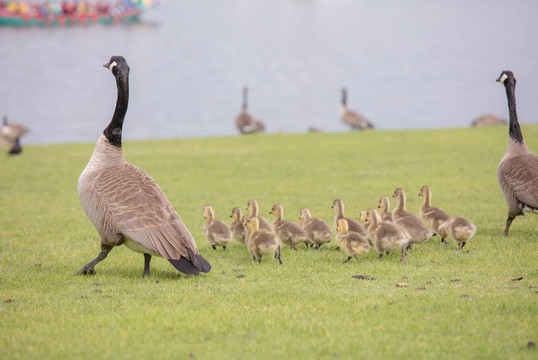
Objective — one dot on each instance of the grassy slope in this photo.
(310, 307)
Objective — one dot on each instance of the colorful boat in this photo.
(81, 13)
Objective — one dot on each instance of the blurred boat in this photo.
(52, 13)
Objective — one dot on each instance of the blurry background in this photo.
(406, 65)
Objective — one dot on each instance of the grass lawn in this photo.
(455, 305)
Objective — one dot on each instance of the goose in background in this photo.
(488, 120)
(16, 149)
(245, 123)
(352, 118)
(458, 228)
(317, 230)
(126, 205)
(11, 132)
(517, 172)
(216, 231)
(236, 226)
(434, 216)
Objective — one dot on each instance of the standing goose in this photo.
(245, 123)
(126, 205)
(289, 232)
(236, 226)
(16, 149)
(317, 230)
(434, 216)
(517, 172)
(353, 225)
(409, 221)
(12, 132)
(352, 118)
(216, 231)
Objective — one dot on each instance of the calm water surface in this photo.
(406, 64)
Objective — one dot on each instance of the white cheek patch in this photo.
(503, 78)
(115, 64)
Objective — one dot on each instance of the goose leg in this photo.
(345, 261)
(279, 255)
(88, 269)
(214, 247)
(224, 248)
(147, 259)
(508, 223)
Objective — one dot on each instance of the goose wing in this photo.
(142, 212)
(521, 175)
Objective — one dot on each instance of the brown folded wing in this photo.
(142, 212)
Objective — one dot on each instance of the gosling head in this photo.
(363, 216)
(305, 214)
(398, 192)
(424, 190)
(209, 213)
(245, 220)
(337, 204)
(342, 226)
(236, 213)
(253, 224)
(277, 210)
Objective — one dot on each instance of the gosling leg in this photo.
(345, 261)
(404, 258)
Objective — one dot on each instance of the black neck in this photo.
(344, 97)
(515, 130)
(114, 129)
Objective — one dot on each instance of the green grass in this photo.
(456, 304)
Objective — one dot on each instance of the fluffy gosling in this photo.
(353, 225)
(384, 205)
(290, 233)
(410, 222)
(317, 230)
(252, 207)
(458, 228)
(353, 244)
(262, 242)
(216, 231)
(386, 236)
(433, 216)
(236, 225)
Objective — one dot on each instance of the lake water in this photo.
(406, 65)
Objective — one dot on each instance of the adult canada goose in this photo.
(317, 230)
(386, 236)
(126, 205)
(352, 118)
(409, 221)
(434, 216)
(384, 205)
(236, 226)
(216, 231)
(488, 120)
(353, 225)
(11, 132)
(262, 242)
(245, 123)
(458, 228)
(289, 232)
(252, 207)
(351, 242)
(16, 149)
(517, 172)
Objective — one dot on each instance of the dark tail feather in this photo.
(191, 266)
(184, 265)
